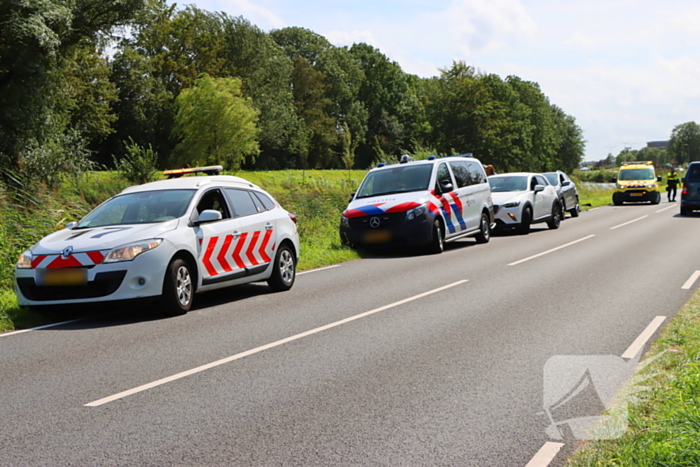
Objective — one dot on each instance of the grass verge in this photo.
(664, 423)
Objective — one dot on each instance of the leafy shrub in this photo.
(47, 163)
(138, 166)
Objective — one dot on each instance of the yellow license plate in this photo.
(63, 277)
(637, 194)
(378, 236)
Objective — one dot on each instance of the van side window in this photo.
(443, 174)
(476, 171)
(461, 173)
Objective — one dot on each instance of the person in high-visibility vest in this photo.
(672, 184)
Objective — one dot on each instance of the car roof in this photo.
(434, 160)
(515, 174)
(192, 182)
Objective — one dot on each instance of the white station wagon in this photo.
(168, 239)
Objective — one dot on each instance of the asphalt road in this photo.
(394, 360)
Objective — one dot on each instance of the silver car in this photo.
(566, 189)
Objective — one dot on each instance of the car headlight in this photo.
(344, 222)
(131, 251)
(416, 212)
(652, 185)
(25, 260)
(514, 204)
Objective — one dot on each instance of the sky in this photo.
(628, 71)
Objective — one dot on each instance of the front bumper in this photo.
(507, 217)
(141, 278)
(637, 194)
(393, 229)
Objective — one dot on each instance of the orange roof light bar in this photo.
(209, 170)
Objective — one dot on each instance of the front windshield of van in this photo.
(399, 179)
(636, 174)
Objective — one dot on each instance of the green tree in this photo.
(684, 144)
(389, 98)
(41, 90)
(215, 124)
(311, 103)
(266, 71)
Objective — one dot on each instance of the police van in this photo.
(425, 202)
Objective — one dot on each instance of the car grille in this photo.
(105, 283)
(386, 220)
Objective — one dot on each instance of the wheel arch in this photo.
(189, 259)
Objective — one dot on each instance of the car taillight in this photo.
(685, 189)
(292, 217)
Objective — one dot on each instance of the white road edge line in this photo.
(318, 269)
(238, 356)
(643, 337)
(545, 455)
(689, 283)
(667, 207)
(12, 333)
(549, 251)
(635, 220)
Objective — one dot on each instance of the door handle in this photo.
(269, 227)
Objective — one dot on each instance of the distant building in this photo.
(658, 144)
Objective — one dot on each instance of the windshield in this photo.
(505, 184)
(553, 179)
(637, 174)
(139, 208)
(400, 179)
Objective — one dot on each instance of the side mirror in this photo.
(70, 225)
(565, 183)
(539, 188)
(446, 186)
(614, 179)
(658, 178)
(352, 195)
(208, 215)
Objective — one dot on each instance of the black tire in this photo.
(524, 227)
(576, 210)
(617, 200)
(437, 243)
(656, 199)
(555, 221)
(178, 289)
(284, 270)
(484, 234)
(684, 211)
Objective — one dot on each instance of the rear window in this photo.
(693, 174)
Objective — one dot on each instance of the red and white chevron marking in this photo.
(88, 258)
(225, 253)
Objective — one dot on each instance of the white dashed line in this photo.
(689, 283)
(549, 251)
(247, 353)
(635, 220)
(12, 333)
(643, 337)
(667, 207)
(545, 455)
(318, 269)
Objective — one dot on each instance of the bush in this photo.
(138, 166)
